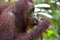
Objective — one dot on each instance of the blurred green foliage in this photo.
(10, 0)
(53, 32)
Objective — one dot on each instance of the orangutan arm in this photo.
(33, 35)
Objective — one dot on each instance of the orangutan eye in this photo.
(31, 7)
(31, 10)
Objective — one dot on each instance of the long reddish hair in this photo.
(14, 20)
